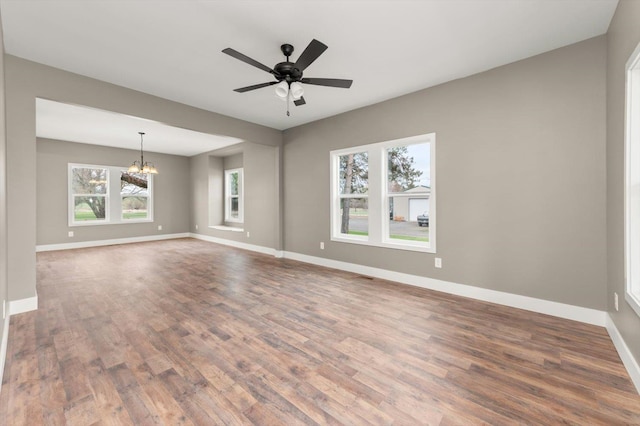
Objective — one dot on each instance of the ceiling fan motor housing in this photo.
(287, 72)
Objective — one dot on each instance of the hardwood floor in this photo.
(185, 332)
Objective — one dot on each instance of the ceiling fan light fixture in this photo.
(282, 89)
(296, 90)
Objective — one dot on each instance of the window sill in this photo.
(395, 246)
(227, 228)
(103, 222)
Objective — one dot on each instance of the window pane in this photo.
(354, 173)
(408, 168)
(89, 181)
(234, 211)
(134, 184)
(233, 183)
(354, 216)
(409, 219)
(89, 208)
(134, 207)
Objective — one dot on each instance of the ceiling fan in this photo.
(289, 75)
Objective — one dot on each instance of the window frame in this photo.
(378, 199)
(632, 181)
(71, 196)
(149, 198)
(340, 196)
(113, 213)
(228, 196)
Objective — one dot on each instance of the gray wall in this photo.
(25, 81)
(623, 37)
(261, 193)
(520, 177)
(171, 201)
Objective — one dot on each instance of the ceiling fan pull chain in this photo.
(288, 106)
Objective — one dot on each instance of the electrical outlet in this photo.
(248, 234)
(438, 262)
(159, 227)
(196, 227)
(615, 301)
(321, 245)
(70, 234)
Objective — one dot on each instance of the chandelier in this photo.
(142, 166)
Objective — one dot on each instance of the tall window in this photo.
(632, 182)
(233, 200)
(95, 197)
(353, 193)
(383, 194)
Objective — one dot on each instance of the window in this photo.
(353, 194)
(134, 196)
(632, 182)
(92, 193)
(89, 194)
(383, 194)
(233, 196)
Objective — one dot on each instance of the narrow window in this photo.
(234, 202)
(353, 194)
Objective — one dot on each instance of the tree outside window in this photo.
(95, 198)
(89, 187)
(134, 195)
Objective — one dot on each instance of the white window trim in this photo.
(228, 196)
(632, 182)
(377, 196)
(113, 214)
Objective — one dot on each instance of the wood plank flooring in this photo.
(185, 332)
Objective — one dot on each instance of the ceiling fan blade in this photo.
(310, 54)
(331, 82)
(300, 101)
(255, 86)
(244, 58)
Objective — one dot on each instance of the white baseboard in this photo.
(625, 354)
(21, 306)
(97, 243)
(236, 244)
(3, 346)
(561, 310)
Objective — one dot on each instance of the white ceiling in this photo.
(74, 123)
(172, 49)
